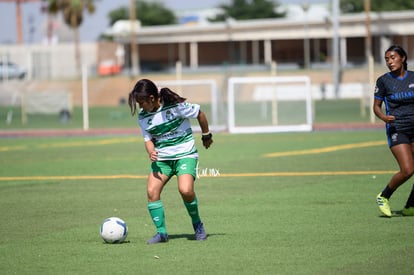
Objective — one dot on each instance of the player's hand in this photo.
(153, 156)
(389, 119)
(207, 143)
(207, 140)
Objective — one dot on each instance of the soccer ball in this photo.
(114, 230)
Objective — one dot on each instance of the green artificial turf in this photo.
(289, 203)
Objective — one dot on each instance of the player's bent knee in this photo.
(187, 194)
(407, 173)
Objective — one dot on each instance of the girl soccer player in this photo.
(396, 90)
(169, 141)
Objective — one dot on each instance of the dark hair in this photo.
(145, 88)
(398, 49)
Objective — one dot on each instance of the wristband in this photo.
(206, 136)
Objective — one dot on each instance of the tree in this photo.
(150, 14)
(72, 11)
(19, 23)
(355, 6)
(248, 9)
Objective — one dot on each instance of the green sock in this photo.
(192, 209)
(156, 210)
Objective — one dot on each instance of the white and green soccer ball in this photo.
(114, 230)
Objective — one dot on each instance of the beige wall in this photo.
(50, 62)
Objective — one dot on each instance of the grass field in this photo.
(291, 203)
(329, 111)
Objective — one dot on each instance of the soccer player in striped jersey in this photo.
(396, 90)
(164, 120)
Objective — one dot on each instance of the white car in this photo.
(9, 70)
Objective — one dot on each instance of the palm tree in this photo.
(19, 23)
(72, 11)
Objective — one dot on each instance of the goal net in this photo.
(269, 104)
(48, 102)
(203, 92)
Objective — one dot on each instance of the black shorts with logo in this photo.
(395, 137)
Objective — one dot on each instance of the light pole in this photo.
(335, 46)
(306, 47)
(369, 57)
(133, 43)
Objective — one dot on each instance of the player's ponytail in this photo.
(168, 97)
(398, 49)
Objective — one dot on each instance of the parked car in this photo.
(108, 67)
(10, 70)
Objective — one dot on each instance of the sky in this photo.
(93, 25)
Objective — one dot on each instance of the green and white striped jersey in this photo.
(170, 129)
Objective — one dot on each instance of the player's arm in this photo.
(152, 153)
(378, 112)
(206, 137)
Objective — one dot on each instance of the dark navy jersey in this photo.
(397, 93)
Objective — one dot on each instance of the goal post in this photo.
(269, 104)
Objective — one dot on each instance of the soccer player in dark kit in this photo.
(396, 90)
